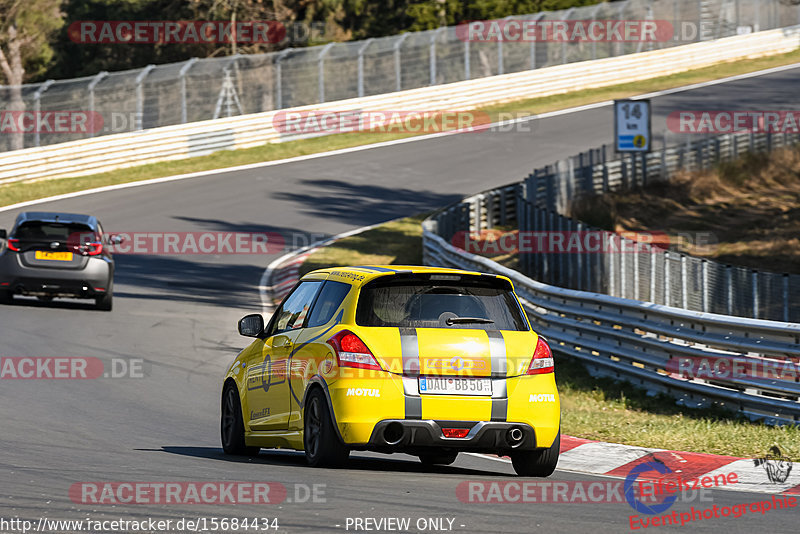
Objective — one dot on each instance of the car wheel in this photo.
(442, 458)
(105, 302)
(232, 424)
(539, 462)
(320, 441)
(6, 297)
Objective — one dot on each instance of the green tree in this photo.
(26, 27)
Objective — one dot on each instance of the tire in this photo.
(539, 462)
(105, 303)
(321, 443)
(6, 297)
(438, 458)
(231, 425)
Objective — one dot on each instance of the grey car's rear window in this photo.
(44, 232)
(422, 303)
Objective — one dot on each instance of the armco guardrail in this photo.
(641, 342)
(106, 153)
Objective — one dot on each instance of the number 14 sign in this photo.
(632, 125)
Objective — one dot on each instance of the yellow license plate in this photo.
(54, 256)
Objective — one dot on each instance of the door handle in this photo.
(287, 343)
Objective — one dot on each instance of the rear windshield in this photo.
(43, 232)
(403, 302)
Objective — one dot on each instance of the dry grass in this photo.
(745, 212)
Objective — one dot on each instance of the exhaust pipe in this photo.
(393, 433)
(514, 436)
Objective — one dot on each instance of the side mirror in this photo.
(251, 325)
(115, 239)
(3, 233)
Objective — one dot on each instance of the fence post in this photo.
(182, 75)
(536, 19)
(666, 279)
(321, 70)
(432, 52)
(361, 51)
(684, 291)
(786, 297)
(755, 293)
(704, 282)
(467, 66)
(279, 78)
(397, 70)
(563, 42)
(37, 105)
(653, 268)
(97, 79)
(729, 283)
(623, 279)
(140, 95)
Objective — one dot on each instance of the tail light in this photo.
(455, 432)
(352, 352)
(13, 244)
(93, 249)
(542, 361)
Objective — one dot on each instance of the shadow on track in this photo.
(297, 459)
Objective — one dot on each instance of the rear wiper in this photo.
(467, 320)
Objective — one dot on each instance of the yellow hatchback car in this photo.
(421, 360)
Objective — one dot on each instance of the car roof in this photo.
(55, 216)
(361, 274)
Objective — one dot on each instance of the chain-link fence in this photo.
(533, 234)
(201, 89)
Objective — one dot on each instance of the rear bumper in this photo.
(396, 435)
(76, 283)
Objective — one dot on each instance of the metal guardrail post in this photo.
(321, 70)
(397, 67)
(279, 77)
(182, 76)
(92, 85)
(140, 96)
(361, 50)
(37, 106)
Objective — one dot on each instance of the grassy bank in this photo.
(592, 408)
(743, 212)
(19, 192)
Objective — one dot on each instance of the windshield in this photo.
(465, 303)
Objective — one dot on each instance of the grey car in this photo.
(49, 255)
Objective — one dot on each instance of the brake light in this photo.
(542, 361)
(13, 244)
(352, 352)
(455, 432)
(93, 249)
